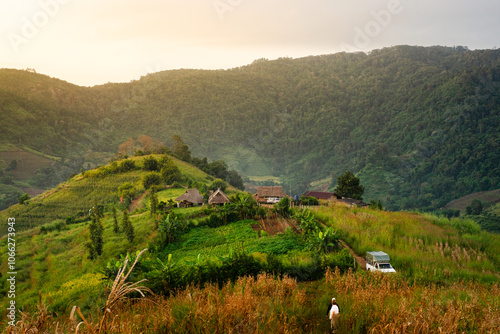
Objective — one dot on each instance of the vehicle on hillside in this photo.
(379, 261)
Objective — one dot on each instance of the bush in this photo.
(170, 173)
(150, 164)
(151, 179)
(127, 165)
(24, 199)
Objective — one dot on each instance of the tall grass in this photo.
(425, 247)
(369, 303)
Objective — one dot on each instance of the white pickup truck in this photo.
(379, 261)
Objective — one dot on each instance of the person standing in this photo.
(334, 314)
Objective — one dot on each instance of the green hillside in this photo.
(419, 125)
(439, 262)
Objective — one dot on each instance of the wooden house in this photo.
(323, 195)
(269, 195)
(191, 197)
(218, 198)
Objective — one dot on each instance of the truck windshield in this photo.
(384, 266)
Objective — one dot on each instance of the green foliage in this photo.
(235, 179)
(348, 186)
(303, 200)
(181, 150)
(283, 207)
(151, 164)
(376, 205)
(418, 123)
(96, 243)
(475, 208)
(24, 199)
(151, 179)
(127, 165)
(116, 227)
(153, 204)
(170, 173)
(128, 228)
(218, 183)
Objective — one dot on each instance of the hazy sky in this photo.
(90, 42)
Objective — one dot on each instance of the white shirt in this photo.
(334, 310)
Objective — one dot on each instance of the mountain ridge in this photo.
(427, 117)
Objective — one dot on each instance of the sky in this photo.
(90, 42)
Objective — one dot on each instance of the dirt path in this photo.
(359, 259)
(136, 201)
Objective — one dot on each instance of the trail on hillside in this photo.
(359, 259)
(135, 203)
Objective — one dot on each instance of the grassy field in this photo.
(422, 247)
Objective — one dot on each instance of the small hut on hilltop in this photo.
(218, 198)
(191, 197)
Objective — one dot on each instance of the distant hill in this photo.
(420, 126)
(490, 197)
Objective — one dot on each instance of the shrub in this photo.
(127, 165)
(170, 173)
(24, 199)
(150, 164)
(151, 179)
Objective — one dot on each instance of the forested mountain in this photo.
(419, 125)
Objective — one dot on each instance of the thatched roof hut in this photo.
(269, 194)
(190, 198)
(218, 198)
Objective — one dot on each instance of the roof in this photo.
(270, 191)
(321, 194)
(218, 197)
(191, 196)
(378, 256)
(352, 201)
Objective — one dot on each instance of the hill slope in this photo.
(419, 125)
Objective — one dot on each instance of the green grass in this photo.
(425, 247)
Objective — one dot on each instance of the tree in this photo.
(116, 228)
(148, 144)
(348, 186)
(181, 150)
(283, 207)
(127, 227)
(127, 147)
(234, 179)
(96, 229)
(218, 183)
(170, 173)
(475, 208)
(153, 201)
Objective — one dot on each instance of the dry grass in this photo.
(378, 303)
(370, 303)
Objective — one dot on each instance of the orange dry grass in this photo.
(380, 303)
(247, 306)
(369, 303)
